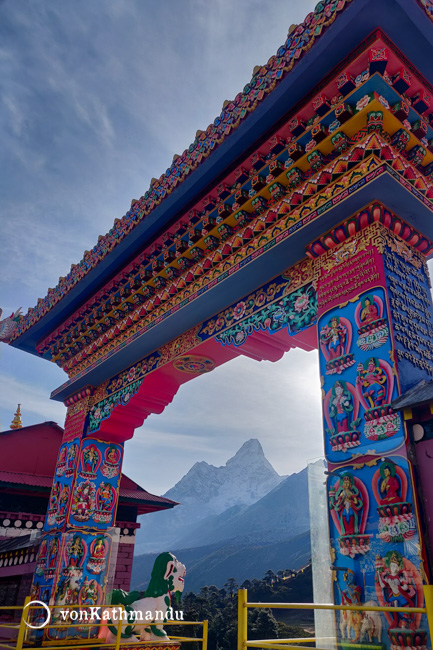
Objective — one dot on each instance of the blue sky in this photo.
(96, 97)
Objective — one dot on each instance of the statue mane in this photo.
(161, 579)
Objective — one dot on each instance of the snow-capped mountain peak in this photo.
(244, 479)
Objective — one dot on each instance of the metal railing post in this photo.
(22, 628)
(119, 629)
(242, 618)
(204, 635)
(428, 597)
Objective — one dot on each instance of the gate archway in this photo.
(300, 218)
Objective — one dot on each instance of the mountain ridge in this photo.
(207, 491)
(281, 514)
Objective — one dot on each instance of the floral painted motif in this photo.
(102, 410)
(194, 364)
(133, 374)
(295, 311)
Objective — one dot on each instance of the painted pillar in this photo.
(375, 332)
(77, 552)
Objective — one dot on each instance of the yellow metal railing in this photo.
(76, 644)
(284, 644)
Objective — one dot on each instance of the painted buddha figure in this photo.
(112, 456)
(369, 310)
(62, 455)
(63, 501)
(389, 485)
(99, 549)
(83, 500)
(55, 493)
(89, 592)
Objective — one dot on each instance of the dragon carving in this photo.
(9, 325)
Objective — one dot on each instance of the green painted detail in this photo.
(129, 629)
(157, 632)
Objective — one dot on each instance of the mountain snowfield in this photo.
(244, 479)
(238, 520)
(216, 497)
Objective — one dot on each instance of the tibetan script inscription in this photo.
(411, 309)
(348, 278)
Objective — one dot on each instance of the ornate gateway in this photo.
(309, 225)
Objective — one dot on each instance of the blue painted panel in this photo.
(358, 378)
(412, 317)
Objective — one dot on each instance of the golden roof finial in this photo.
(16, 422)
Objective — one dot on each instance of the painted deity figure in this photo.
(351, 594)
(111, 464)
(347, 503)
(112, 456)
(90, 457)
(397, 587)
(99, 549)
(389, 486)
(43, 550)
(369, 311)
(89, 592)
(62, 455)
(75, 551)
(373, 382)
(105, 496)
(63, 501)
(83, 502)
(334, 336)
(52, 553)
(72, 452)
(340, 407)
(350, 621)
(55, 493)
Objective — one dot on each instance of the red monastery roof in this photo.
(28, 458)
